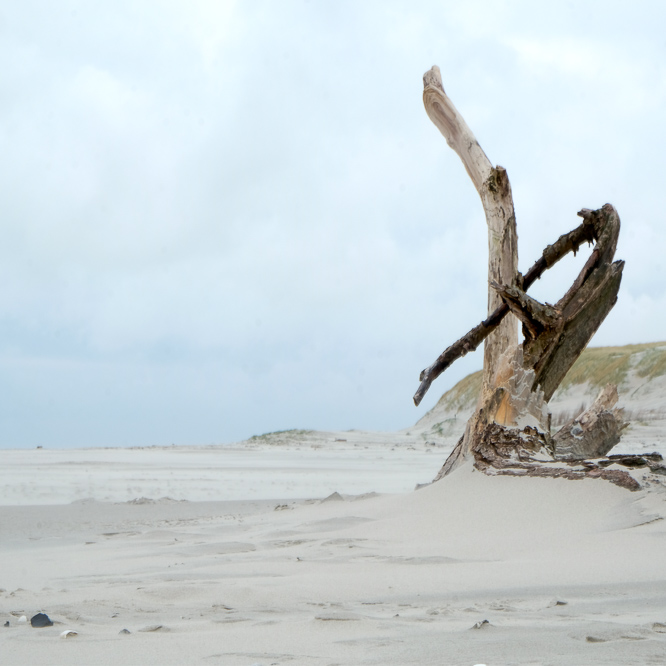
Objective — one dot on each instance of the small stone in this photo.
(481, 624)
(23, 618)
(7, 623)
(155, 627)
(557, 602)
(41, 620)
(124, 631)
(68, 633)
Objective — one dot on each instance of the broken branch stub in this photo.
(593, 433)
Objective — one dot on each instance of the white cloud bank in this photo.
(220, 219)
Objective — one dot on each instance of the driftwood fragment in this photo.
(653, 461)
(593, 433)
(509, 433)
(501, 451)
(498, 452)
(492, 185)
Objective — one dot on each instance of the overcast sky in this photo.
(219, 219)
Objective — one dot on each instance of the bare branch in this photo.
(569, 242)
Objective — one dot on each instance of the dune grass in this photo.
(653, 363)
(603, 365)
(280, 434)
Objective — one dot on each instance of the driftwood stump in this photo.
(509, 433)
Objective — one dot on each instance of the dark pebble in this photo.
(41, 620)
(7, 623)
(124, 631)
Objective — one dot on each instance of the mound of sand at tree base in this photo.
(564, 572)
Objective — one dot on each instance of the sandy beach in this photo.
(296, 471)
(226, 225)
(470, 570)
(315, 548)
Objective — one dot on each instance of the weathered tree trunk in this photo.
(492, 184)
(510, 431)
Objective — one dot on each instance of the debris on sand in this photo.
(155, 627)
(41, 620)
(481, 625)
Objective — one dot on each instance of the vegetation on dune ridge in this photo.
(463, 393)
(280, 434)
(602, 365)
(653, 363)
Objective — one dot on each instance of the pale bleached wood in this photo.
(452, 125)
(492, 185)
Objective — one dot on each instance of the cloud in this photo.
(219, 221)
